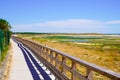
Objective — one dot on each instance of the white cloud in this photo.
(113, 22)
(71, 25)
(65, 23)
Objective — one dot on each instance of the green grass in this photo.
(4, 53)
(100, 43)
(97, 43)
(71, 37)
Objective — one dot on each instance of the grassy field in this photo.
(102, 50)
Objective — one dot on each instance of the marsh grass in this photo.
(105, 52)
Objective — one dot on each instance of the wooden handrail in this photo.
(56, 61)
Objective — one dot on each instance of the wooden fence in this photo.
(67, 67)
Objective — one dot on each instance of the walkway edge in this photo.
(5, 66)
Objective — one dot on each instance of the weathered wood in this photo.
(44, 53)
(89, 74)
(73, 68)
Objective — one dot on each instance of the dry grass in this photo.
(106, 59)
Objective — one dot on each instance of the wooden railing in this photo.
(67, 67)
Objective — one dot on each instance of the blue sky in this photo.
(70, 16)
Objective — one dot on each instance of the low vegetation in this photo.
(4, 53)
(102, 50)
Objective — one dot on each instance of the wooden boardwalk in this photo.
(57, 62)
(25, 66)
(19, 69)
(34, 61)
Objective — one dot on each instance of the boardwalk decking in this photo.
(19, 69)
(25, 66)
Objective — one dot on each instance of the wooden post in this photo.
(56, 64)
(63, 63)
(89, 74)
(39, 50)
(47, 58)
(42, 51)
(51, 58)
(73, 77)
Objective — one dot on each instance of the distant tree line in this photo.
(67, 33)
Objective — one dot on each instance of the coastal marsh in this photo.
(102, 50)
